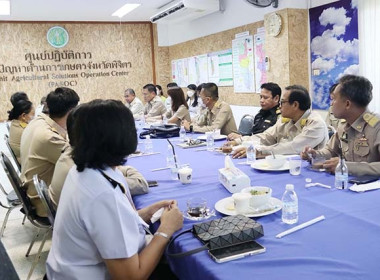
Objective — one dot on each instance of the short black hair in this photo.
(332, 88)
(150, 88)
(20, 107)
(170, 85)
(211, 90)
(71, 120)
(199, 88)
(104, 135)
(20, 95)
(301, 95)
(192, 87)
(61, 101)
(358, 89)
(273, 88)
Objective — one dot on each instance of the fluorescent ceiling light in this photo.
(127, 8)
(5, 8)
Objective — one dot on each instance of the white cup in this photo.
(216, 133)
(185, 174)
(295, 166)
(242, 202)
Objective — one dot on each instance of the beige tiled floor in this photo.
(17, 237)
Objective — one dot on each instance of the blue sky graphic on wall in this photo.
(334, 47)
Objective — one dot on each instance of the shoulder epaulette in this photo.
(285, 120)
(371, 119)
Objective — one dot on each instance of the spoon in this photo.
(273, 154)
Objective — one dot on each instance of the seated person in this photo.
(20, 115)
(42, 142)
(200, 114)
(192, 100)
(98, 233)
(331, 121)
(219, 114)
(267, 116)
(358, 139)
(161, 93)
(136, 182)
(133, 103)
(297, 128)
(154, 108)
(179, 110)
(42, 107)
(168, 101)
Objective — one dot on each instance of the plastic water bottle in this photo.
(182, 134)
(341, 175)
(289, 205)
(169, 157)
(171, 163)
(251, 153)
(210, 141)
(148, 145)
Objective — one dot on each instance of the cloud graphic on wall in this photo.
(324, 65)
(337, 18)
(354, 4)
(350, 70)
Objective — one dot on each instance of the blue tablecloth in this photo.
(344, 246)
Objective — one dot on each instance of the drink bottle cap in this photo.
(289, 187)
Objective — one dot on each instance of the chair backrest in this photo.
(17, 186)
(42, 191)
(246, 124)
(6, 138)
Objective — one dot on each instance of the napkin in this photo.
(157, 215)
(365, 187)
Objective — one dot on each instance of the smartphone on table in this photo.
(152, 183)
(238, 251)
(363, 179)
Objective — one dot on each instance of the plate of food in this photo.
(226, 206)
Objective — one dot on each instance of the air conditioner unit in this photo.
(186, 10)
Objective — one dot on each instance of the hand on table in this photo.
(331, 164)
(307, 152)
(186, 124)
(240, 153)
(233, 136)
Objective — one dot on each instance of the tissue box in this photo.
(233, 179)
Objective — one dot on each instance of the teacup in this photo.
(259, 196)
(241, 202)
(185, 174)
(197, 207)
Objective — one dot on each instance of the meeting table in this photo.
(345, 245)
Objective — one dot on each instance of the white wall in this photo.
(237, 13)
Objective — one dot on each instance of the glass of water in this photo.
(295, 166)
(210, 140)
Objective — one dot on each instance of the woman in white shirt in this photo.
(192, 100)
(98, 233)
(179, 110)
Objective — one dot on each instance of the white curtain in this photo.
(369, 46)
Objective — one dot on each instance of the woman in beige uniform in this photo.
(179, 110)
(20, 115)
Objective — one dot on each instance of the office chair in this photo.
(28, 210)
(246, 124)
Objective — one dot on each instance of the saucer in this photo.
(263, 165)
(209, 214)
(226, 207)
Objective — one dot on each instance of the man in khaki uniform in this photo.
(43, 140)
(133, 103)
(154, 108)
(218, 116)
(297, 127)
(358, 139)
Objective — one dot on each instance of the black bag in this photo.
(220, 233)
(161, 131)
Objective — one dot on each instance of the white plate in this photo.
(217, 138)
(262, 165)
(226, 206)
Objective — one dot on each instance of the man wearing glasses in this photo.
(270, 111)
(297, 128)
(218, 116)
(154, 107)
(133, 103)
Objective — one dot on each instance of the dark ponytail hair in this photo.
(20, 107)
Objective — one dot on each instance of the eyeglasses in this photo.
(283, 101)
